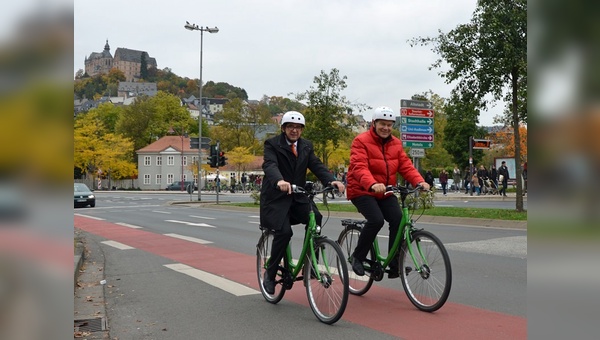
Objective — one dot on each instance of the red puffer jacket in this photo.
(375, 160)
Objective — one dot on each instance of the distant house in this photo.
(211, 106)
(133, 89)
(165, 161)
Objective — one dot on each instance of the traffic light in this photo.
(222, 158)
(214, 154)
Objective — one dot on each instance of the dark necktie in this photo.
(294, 149)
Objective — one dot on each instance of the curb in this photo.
(79, 258)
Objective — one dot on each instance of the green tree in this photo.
(326, 115)
(488, 56)
(462, 118)
(150, 118)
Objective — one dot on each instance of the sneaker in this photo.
(358, 267)
(268, 285)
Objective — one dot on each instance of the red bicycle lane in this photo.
(383, 309)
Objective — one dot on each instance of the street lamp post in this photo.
(194, 27)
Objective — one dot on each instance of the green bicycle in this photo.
(424, 263)
(324, 268)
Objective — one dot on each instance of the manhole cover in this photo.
(90, 325)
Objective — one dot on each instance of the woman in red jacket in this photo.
(376, 157)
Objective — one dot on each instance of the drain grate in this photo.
(90, 325)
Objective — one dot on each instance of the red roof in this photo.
(166, 142)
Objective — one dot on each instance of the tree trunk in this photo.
(517, 137)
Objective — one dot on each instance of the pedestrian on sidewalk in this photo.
(503, 177)
(456, 179)
(444, 180)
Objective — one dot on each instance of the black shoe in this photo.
(358, 267)
(393, 274)
(268, 285)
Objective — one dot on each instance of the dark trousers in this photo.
(296, 215)
(376, 212)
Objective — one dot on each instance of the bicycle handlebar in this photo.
(296, 189)
(390, 189)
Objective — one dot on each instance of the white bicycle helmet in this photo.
(385, 113)
(292, 117)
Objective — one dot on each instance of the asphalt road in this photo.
(146, 297)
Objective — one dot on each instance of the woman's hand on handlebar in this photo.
(378, 188)
(425, 186)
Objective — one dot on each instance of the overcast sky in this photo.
(277, 47)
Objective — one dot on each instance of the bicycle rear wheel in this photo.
(429, 287)
(263, 253)
(347, 240)
(328, 292)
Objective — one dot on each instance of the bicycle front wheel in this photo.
(347, 240)
(327, 282)
(427, 282)
(263, 253)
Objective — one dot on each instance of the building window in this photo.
(184, 161)
(146, 160)
(158, 178)
(170, 178)
(184, 177)
(159, 160)
(170, 160)
(146, 179)
(194, 159)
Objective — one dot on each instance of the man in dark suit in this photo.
(286, 159)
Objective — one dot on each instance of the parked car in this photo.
(437, 184)
(177, 186)
(83, 196)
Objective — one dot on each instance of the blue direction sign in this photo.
(416, 129)
(412, 144)
(416, 121)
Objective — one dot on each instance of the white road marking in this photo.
(117, 245)
(514, 246)
(161, 212)
(92, 217)
(188, 238)
(128, 225)
(204, 217)
(253, 222)
(192, 223)
(254, 216)
(213, 280)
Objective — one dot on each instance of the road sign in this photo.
(419, 104)
(417, 137)
(416, 129)
(481, 143)
(416, 112)
(412, 144)
(416, 121)
(418, 153)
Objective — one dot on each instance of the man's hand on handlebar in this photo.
(284, 186)
(339, 186)
(425, 186)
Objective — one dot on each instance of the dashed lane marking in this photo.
(117, 245)
(192, 223)
(92, 217)
(231, 287)
(203, 217)
(161, 212)
(188, 238)
(128, 225)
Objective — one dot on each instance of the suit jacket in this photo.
(280, 163)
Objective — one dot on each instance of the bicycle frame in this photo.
(307, 246)
(404, 233)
